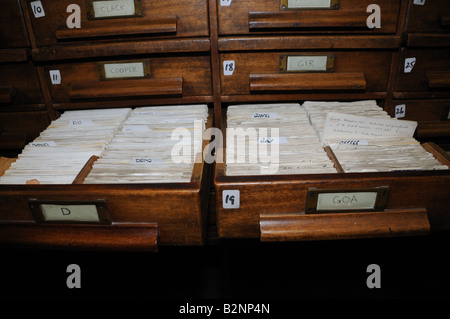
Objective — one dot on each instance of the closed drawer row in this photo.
(58, 22)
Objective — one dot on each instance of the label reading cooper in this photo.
(124, 70)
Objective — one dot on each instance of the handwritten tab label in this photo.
(273, 140)
(38, 9)
(338, 125)
(265, 115)
(400, 111)
(225, 3)
(84, 122)
(346, 201)
(136, 128)
(231, 199)
(307, 63)
(143, 113)
(116, 8)
(124, 70)
(70, 213)
(146, 160)
(43, 144)
(354, 142)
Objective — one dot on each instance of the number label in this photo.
(228, 67)
(419, 2)
(231, 199)
(225, 3)
(38, 9)
(55, 77)
(409, 64)
(400, 111)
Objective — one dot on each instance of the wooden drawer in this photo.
(20, 87)
(259, 73)
(15, 34)
(430, 73)
(432, 115)
(148, 80)
(99, 20)
(278, 207)
(273, 16)
(430, 17)
(131, 216)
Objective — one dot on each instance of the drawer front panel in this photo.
(20, 84)
(428, 16)
(256, 199)
(145, 77)
(422, 110)
(351, 71)
(107, 19)
(15, 34)
(424, 70)
(266, 16)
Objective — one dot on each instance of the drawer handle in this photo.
(102, 28)
(6, 94)
(437, 80)
(301, 227)
(307, 82)
(118, 237)
(307, 19)
(126, 88)
(433, 129)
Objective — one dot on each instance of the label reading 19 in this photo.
(231, 199)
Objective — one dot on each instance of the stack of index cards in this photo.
(273, 139)
(155, 145)
(64, 147)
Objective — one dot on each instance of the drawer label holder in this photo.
(346, 200)
(309, 4)
(307, 63)
(70, 212)
(124, 70)
(107, 9)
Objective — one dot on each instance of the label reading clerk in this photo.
(117, 8)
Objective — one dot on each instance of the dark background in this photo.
(237, 270)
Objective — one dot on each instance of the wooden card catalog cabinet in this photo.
(56, 22)
(340, 72)
(299, 16)
(144, 80)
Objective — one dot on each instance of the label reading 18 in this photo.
(228, 67)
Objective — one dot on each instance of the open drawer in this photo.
(294, 207)
(55, 22)
(133, 216)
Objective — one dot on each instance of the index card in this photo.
(353, 126)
